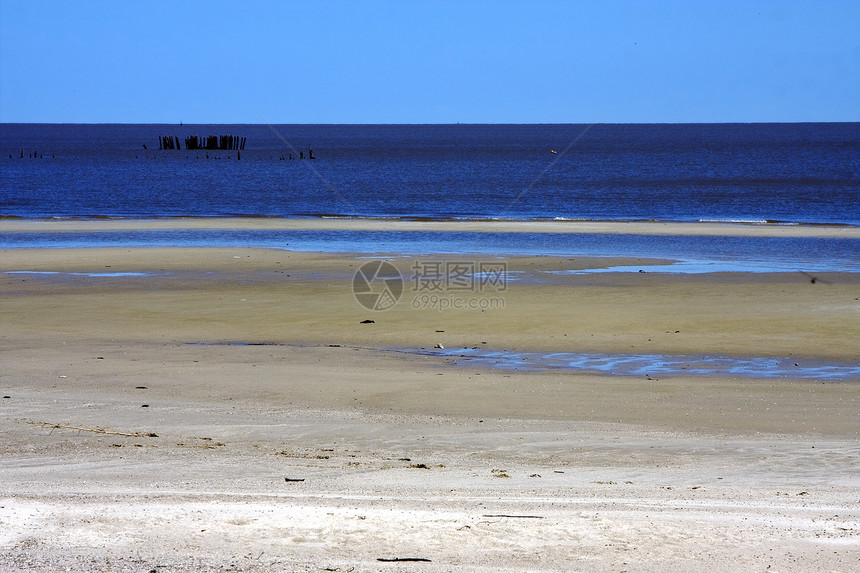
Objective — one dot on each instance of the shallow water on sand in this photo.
(653, 365)
(695, 253)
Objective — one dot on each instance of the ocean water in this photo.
(758, 173)
(802, 173)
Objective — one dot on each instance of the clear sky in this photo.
(412, 61)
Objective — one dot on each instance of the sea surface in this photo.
(762, 174)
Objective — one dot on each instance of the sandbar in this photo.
(704, 228)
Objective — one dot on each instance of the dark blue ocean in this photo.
(762, 173)
(807, 173)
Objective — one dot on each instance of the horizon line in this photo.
(181, 124)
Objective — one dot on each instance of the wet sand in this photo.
(153, 421)
(724, 229)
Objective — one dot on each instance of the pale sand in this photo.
(480, 226)
(620, 473)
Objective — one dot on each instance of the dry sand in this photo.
(142, 432)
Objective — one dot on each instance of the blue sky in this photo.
(429, 62)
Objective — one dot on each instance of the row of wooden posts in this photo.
(34, 155)
(212, 142)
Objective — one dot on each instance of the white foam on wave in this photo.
(747, 222)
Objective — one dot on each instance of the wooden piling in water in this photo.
(223, 142)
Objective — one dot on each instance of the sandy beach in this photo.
(230, 409)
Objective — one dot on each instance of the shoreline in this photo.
(719, 229)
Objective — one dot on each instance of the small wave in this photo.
(422, 218)
(774, 222)
(741, 221)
